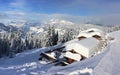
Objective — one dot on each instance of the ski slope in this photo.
(26, 63)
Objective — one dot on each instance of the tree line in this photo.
(12, 42)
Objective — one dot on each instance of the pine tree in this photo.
(12, 48)
(0, 47)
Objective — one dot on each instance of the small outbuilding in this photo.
(93, 32)
(72, 57)
(48, 56)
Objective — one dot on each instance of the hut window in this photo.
(70, 60)
(83, 57)
(81, 37)
(72, 51)
(90, 31)
(97, 37)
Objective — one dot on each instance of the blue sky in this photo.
(35, 9)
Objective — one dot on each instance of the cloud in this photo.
(14, 16)
(8, 16)
(3, 16)
(20, 13)
(94, 7)
(47, 17)
(18, 3)
(109, 19)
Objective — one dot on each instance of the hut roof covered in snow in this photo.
(83, 47)
(93, 30)
(84, 34)
(51, 55)
(73, 56)
(90, 32)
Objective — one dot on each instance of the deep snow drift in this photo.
(26, 63)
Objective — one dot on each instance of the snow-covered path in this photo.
(110, 64)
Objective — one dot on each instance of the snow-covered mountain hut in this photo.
(86, 47)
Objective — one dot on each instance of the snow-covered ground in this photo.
(26, 63)
(36, 30)
(110, 63)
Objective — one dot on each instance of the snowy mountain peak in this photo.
(17, 24)
(62, 22)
